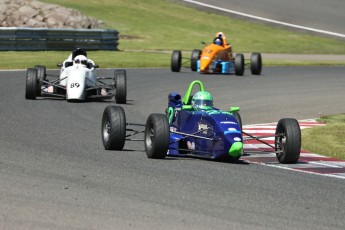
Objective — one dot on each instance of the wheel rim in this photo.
(281, 141)
(150, 138)
(106, 130)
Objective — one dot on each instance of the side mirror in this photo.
(234, 109)
(187, 107)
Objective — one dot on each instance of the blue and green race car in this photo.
(191, 126)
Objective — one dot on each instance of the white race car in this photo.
(77, 81)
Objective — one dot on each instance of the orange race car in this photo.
(217, 58)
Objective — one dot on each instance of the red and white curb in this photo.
(258, 153)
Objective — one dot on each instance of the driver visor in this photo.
(201, 102)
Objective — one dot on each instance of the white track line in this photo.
(266, 19)
(325, 164)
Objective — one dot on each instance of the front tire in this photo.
(288, 141)
(194, 59)
(113, 128)
(176, 59)
(256, 63)
(120, 79)
(239, 64)
(41, 76)
(31, 84)
(157, 136)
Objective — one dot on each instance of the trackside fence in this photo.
(37, 39)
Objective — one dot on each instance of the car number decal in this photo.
(75, 85)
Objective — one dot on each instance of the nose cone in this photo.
(236, 149)
(204, 63)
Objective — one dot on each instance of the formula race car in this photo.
(193, 127)
(217, 58)
(77, 81)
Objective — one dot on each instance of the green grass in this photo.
(122, 59)
(326, 140)
(277, 62)
(106, 59)
(158, 25)
(163, 25)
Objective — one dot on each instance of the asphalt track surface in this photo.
(327, 15)
(55, 173)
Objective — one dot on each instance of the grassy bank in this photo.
(163, 25)
(106, 59)
(121, 59)
(327, 140)
(160, 25)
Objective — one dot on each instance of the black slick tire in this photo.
(113, 128)
(288, 141)
(41, 76)
(31, 84)
(256, 63)
(157, 136)
(239, 64)
(176, 59)
(120, 79)
(194, 59)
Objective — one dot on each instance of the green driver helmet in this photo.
(202, 100)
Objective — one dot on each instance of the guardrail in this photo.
(35, 39)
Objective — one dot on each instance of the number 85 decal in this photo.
(75, 85)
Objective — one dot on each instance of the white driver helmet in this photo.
(80, 59)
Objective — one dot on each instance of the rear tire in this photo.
(194, 59)
(41, 76)
(113, 128)
(31, 84)
(157, 136)
(176, 58)
(256, 63)
(288, 143)
(121, 86)
(239, 64)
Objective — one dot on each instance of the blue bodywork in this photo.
(223, 67)
(209, 134)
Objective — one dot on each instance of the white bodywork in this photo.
(77, 78)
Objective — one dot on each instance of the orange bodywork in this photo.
(214, 52)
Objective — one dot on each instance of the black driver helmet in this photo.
(78, 51)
